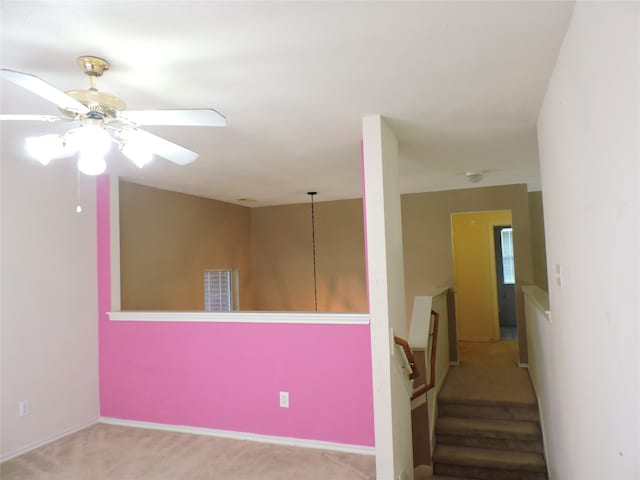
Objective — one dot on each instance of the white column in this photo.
(385, 276)
(114, 222)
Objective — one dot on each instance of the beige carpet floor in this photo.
(489, 372)
(107, 452)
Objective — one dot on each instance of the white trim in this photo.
(252, 437)
(542, 424)
(434, 418)
(523, 365)
(53, 438)
(442, 291)
(454, 363)
(244, 317)
(114, 240)
(534, 187)
(539, 298)
(440, 384)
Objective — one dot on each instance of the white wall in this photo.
(589, 143)
(49, 301)
(541, 367)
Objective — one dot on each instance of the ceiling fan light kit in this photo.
(99, 114)
(46, 148)
(91, 164)
(89, 138)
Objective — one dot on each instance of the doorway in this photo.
(505, 281)
(476, 279)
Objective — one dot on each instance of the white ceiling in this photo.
(460, 82)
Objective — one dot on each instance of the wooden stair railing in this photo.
(411, 360)
(432, 362)
(409, 354)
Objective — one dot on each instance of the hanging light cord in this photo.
(78, 206)
(313, 244)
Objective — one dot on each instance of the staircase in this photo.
(488, 426)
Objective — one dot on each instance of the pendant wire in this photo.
(313, 244)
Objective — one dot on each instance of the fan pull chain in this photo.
(78, 206)
(313, 244)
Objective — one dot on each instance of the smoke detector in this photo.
(474, 177)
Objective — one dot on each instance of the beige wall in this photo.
(271, 248)
(428, 258)
(538, 249)
(283, 259)
(167, 241)
(427, 228)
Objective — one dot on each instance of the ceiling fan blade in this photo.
(43, 89)
(41, 118)
(171, 151)
(197, 117)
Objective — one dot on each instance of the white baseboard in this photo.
(523, 365)
(252, 437)
(454, 363)
(32, 446)
(543, 429)
(440, 384)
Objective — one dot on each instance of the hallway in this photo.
(488, 371)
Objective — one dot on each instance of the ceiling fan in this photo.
(104, 120)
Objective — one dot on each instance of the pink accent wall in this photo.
(227, 375)
(364, 220)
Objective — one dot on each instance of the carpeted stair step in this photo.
(447, 477)
(493, 410)
(489, 433)
(488, 464)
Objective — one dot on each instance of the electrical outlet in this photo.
(24, 407)
(284, 399)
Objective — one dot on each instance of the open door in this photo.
(505, 281)
(476, 297)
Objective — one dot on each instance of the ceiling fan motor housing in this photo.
(102, 103)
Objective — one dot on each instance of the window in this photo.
(219, 291)
(508, 269)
